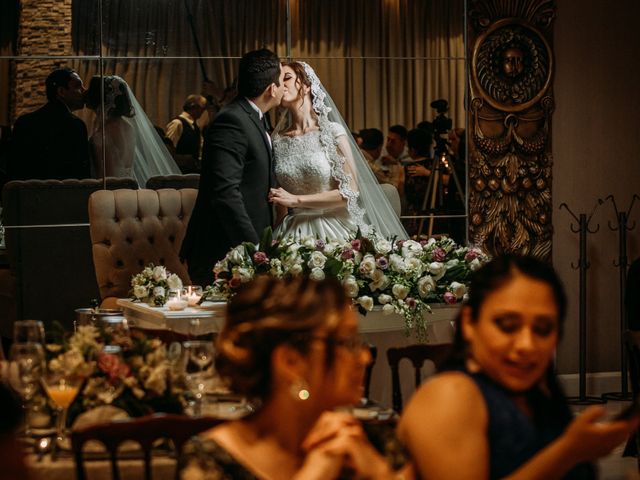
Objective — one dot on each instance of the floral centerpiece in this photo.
(402, 276)
(152, 285)
(131, 372)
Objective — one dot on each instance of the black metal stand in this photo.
(622, 264)
(583, 266)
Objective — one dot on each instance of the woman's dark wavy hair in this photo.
(268, 312)
(122, 103)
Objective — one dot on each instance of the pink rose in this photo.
(470, 256)
(356, 244)
(438, 254)
(449, 298)
(259, 258)
(234, 282)
(113, 366)
(411, 302)
(347, 253)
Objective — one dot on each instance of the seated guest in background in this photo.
(185, 134)
(417, 171)
(396, 145)
(290, 346)
(11, 449)
(500, 411)
(371, 144)
(52, 142)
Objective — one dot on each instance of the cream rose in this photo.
(351, 286)
(317, 274)
(237, 254)
(458, 289)
(437, 270)
(159, 273)
(387, 309)
(384, 299)
(368, 265)
(426, 285)
(317, 260)
(140, 292)
(382, 246)
(411, 248)
(174, 281)
(366, 302)
(400, 291)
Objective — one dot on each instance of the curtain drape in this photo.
(383, 61)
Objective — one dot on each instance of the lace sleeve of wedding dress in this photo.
(367, 203)
(151, 156)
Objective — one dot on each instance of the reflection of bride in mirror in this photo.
(326, 188)
(133, 148)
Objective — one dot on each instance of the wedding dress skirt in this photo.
(302, 168)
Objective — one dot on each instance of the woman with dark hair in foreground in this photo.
(291, 346)
(500, 413)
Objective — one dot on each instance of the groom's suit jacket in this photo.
(232, 205)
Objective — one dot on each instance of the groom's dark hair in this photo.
(258, 69)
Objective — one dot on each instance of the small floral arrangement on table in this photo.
(152, 285)
(402, 276)
(132, 371)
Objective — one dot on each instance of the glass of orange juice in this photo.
(62, 390)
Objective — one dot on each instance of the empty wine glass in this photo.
(26, 363)
(25, 331)
(62, 389)
(198, 358)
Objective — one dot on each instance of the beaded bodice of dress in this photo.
(301, 166)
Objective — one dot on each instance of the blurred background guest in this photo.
(500, 411)
(371, 144)
(291, 346)
(416, 173)
(184, 133)
(11, 451)
(52, 142)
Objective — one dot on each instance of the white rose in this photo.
(400, 291)
(147, 272)
(158, 292)
(426, 285)
(351, 286)
(244, 274)
(475, 264)
(458, 289)
(387, 309)
(293, 248)
(159, 274)
(437, 270)
(430, 242)
(295, 269)
(384, 299)
(330, 247)
(140, 291)
(414, 264)
(379, 280)
(397, 263)
(174, 281)
(411, 248)
(317, 260)
(368, 265)
(309, 242)
(382, 246)
(236, 255)
(366, 302)
(317, 274)
(452, 263)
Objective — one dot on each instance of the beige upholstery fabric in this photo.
(133, 228)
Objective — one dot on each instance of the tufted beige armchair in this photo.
(132, 228)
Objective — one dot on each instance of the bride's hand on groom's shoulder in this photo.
(280, 196)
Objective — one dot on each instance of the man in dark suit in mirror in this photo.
(52, 142)
(232, 205)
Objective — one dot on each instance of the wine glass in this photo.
(62, 389)
(25, 331)
(198, 357)
(26, 362)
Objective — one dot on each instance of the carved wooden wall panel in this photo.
(510, 108)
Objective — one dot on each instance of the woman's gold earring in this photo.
(300, 390)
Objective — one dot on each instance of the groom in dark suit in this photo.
(232, 205)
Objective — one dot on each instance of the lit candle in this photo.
(193, 295)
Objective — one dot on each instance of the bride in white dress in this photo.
(133, 148)
(326, 188)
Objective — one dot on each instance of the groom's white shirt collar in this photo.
(255, 107)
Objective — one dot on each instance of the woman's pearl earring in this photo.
(300, 390)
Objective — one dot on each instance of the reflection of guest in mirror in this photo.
(185, 133)
(118, 130)
(51, 142)
(416, 169)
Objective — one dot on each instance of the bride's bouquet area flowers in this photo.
(131, 371)
(152, 285)
(402, 276)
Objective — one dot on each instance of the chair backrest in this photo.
(131, 229)
(393, 196)
(145, 431)
(189, 180)
(373, 351)
(48, 246)
(632, 342)
(417, 354)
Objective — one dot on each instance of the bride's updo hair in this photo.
(116, 96)
(268, 312)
